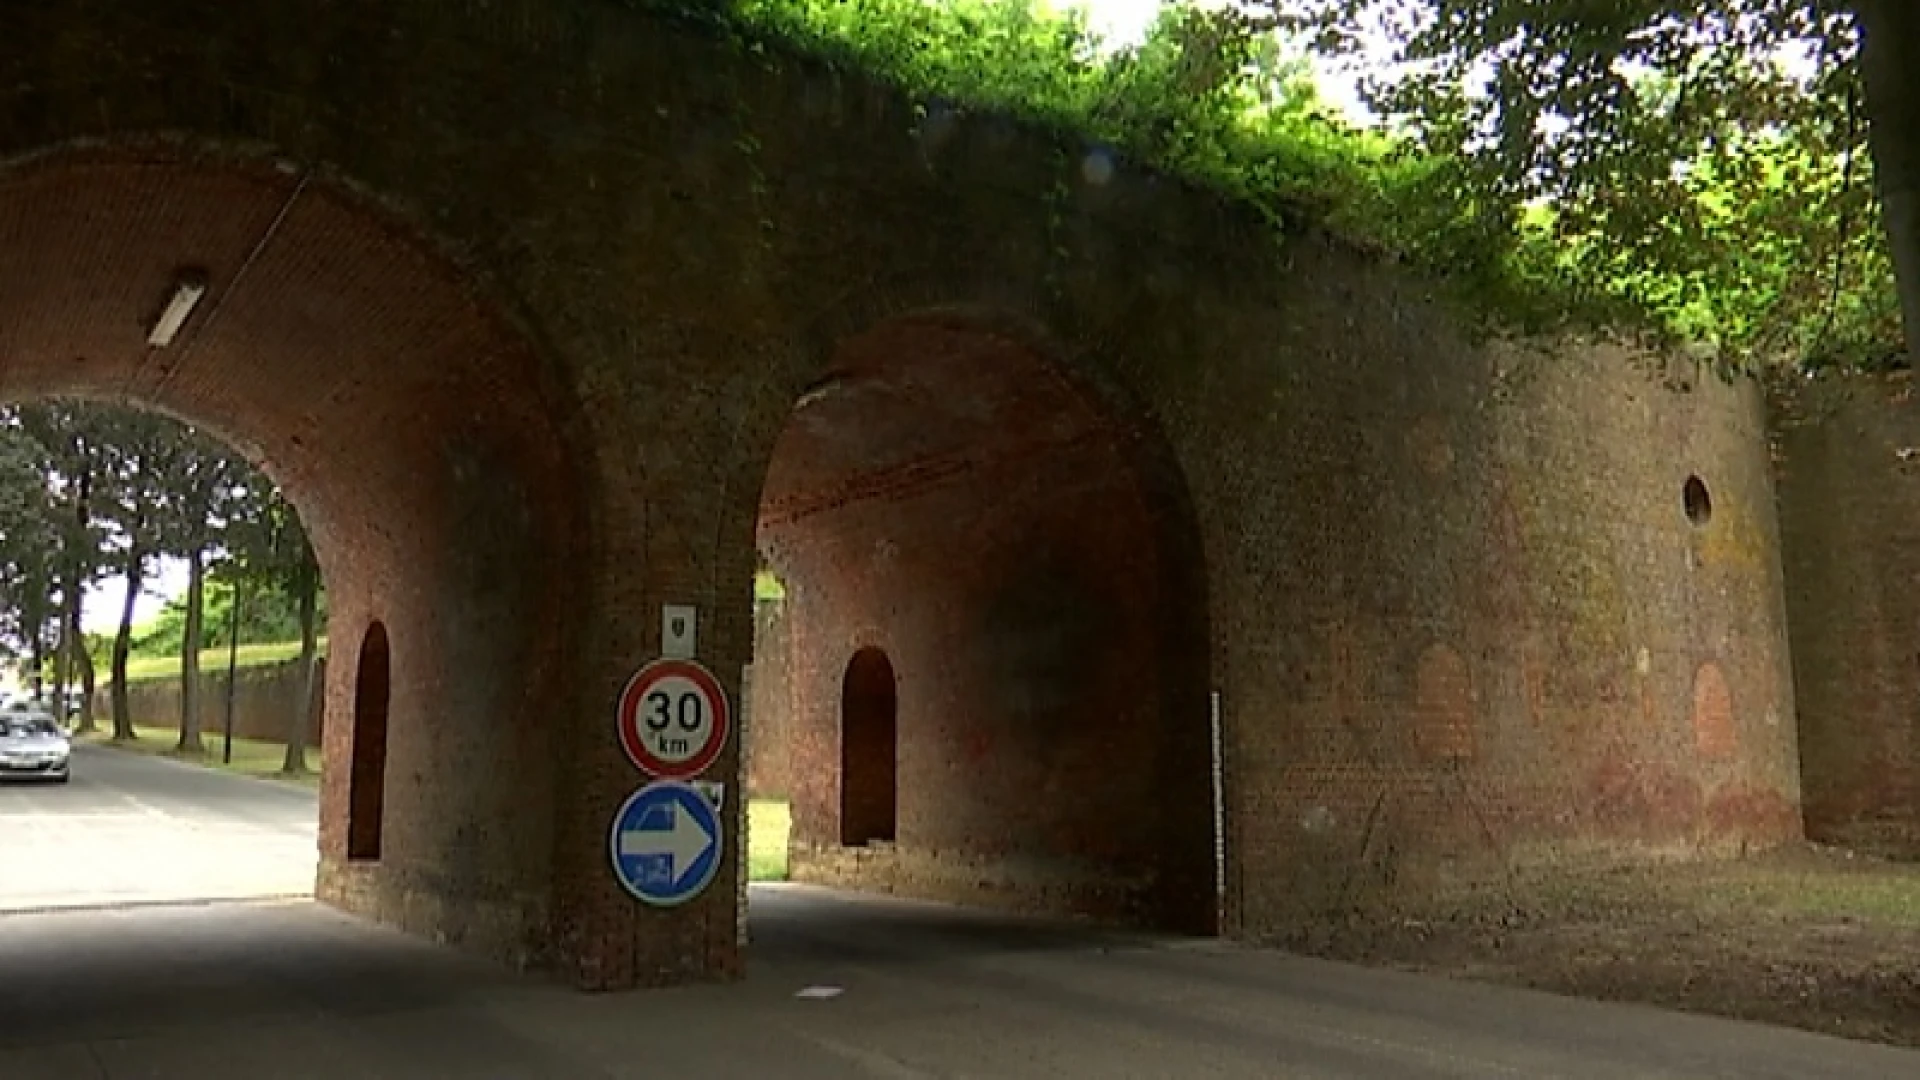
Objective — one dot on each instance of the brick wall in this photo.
(1469, 622)
(1849, 495)
(767, 760)
(524, 345)
(953, 502)
(395, 468)
(264, 698)
(1482, 618)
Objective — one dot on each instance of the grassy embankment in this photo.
(251, 757)
(212, 661)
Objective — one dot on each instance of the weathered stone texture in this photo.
(1849, 506)
(264, 699)
(524, 344)
(948, 498)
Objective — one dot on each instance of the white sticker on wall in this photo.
(678, 630)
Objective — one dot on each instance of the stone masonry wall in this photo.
(767, 759)
(1849, 511)
(953, 503)
(264, 697)
(1477, 628)
(539, 282)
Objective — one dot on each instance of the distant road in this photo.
(132, 829)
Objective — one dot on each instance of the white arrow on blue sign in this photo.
(666, 843)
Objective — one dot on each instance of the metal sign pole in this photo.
(233, 664)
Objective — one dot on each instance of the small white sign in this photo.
(679, 624)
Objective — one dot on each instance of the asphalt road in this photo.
(840, 987)
(129, 829)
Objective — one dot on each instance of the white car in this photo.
(32, 747)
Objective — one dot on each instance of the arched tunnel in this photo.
(1012, 552)
(1142, 566)
(410, 426)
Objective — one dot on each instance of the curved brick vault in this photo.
(408, 426)
(950, 498)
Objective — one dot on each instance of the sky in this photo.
(1124, 22)
(1119, 20)
(100, 608)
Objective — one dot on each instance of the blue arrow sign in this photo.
(666, 843)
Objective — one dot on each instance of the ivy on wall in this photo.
(1216, 98)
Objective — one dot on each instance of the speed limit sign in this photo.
(674, 719)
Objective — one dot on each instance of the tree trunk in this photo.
(81, 561)
(1890, 64)
(83, 662)
(63, 649)
(235, 615)
(39, 659)
(123, 642)
(190, 654)
(296, 759)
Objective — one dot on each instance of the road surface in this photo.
(130, 829)
(840, 987)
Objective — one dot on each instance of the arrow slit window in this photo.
(869, 751)
(367, 778)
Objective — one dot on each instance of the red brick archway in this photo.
(367, 771)
(869, 751)
(414, 432)
(951, 495)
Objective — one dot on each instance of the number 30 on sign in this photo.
(674, 719)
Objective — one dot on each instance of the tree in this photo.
(85, 488)
(80, 661)
(268, 553)
(27, 542)
(1891, 78)
(197, 511)
(76, 439)
(1699, 157)
(146, 457)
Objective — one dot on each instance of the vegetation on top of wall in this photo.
(267, 615)
(1738, 255)
(213, 660)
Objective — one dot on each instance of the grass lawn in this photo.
(251, 757)
(767, 825)
(140, 668)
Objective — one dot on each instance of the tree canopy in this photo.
(1704, 160)
(89, 492)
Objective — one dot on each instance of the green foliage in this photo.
(263, 758)
(214, 661)
(28, 537)
(1705, 161)
(88, 490)
(1763, 239)
(267, 615)
(1204, 96)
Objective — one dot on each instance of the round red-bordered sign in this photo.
(674, 719)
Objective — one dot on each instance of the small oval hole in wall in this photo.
(1698, 502)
